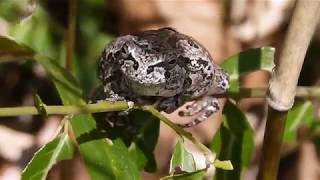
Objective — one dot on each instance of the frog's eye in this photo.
(172, 61)
(223, 82)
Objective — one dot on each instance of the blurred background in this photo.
(223, 27)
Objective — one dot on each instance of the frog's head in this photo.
(221, 81)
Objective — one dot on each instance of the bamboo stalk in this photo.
(283, 84)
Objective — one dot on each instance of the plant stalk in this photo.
(283, 84)
(64, 110)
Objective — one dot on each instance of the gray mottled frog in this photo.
(162, 64)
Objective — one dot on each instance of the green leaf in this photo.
(61, 148)
(225, 165)
(300, 114)
(196, 175)
(41, 107)
(147, 137)
(105, 159)
(181, 160)
(42, 34)
(246, 62)
(233, 141)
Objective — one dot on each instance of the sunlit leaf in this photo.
(300, 114)
(181, 160)
(233, 141)
(246, 62)
(40, 33)
(225, 165)
(61, 148)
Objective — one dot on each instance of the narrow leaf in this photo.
(234, 140)
(300, 114)
(246, 62)
(61, 148)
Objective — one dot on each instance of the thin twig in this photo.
(64, 110)
(71, 33)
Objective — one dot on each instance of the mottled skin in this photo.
(161, 63)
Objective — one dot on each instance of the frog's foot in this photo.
(194, 108)
(203, 110)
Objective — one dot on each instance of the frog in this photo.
(163, 66)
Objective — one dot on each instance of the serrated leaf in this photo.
(104, 159)
(246, 62)
(61, 148)
(41, 107)
(196, 175)
(233, 141)
(182, 160)
(300, 114)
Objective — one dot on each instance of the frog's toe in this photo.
(206, 108)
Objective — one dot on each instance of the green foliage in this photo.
(104, 158)
(225, 165)
(181, 160)
(233, 141)
(61, 148)
(301, 114)
(115, 153)
(246, 62)
(16, 10)
(121, 155)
